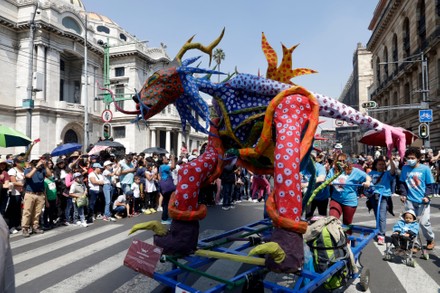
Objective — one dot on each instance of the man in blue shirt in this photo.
(34, 198)
(127, 175)
(417, 186)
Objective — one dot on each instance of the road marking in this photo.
(54, 264)
(35, 238)
(91, 274)
(60, 244)
(412, 279)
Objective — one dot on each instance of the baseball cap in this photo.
(76, 175)
(97, 165)
(106, 163)
(191, 157)
(59, 160)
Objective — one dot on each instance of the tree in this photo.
(219, 55)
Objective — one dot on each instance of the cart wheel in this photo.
(387, 257)
(411, 263)
(364, 282)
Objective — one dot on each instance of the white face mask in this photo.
(411, 163)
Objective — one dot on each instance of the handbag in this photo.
(167, 185)
(82, 201)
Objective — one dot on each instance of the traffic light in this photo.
(107, 130)
(369, 105)
(423, 130)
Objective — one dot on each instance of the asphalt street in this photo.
(77, 259)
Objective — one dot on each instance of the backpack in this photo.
(328, 248)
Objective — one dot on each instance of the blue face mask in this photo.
(411, 163)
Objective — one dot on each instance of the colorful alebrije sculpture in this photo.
(267, 124)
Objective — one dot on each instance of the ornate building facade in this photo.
(355, 93)
(53, 63)
(406, 64)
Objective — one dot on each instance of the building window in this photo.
(385, 60)
(378, 71)
(421, 24)
(61, 89)
(62, 65)
(123, 37)
(437, 6)
(120, 71)
(118, 131)
(119, 94)
(438, 73)
(395, 102)
(406, 38)
(407, 94)
(395, 53)
(103, 29)
(69, 23)
(70, 136)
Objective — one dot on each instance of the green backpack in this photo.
(326, 251)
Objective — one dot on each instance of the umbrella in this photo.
(65, 149)
(157, 150)
(377, 138)
(110, 143)
(10, 137)
(97, 149)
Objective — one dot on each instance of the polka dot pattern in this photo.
(287, 167)
(192, 175)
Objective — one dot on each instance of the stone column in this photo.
(41, 69)
(153, 138)
(179, 143)
(168, 139)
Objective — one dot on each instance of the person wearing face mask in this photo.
(417, 186)
(344, 197)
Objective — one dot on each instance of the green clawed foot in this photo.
(270, 248)
(155, 226)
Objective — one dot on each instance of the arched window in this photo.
(70, 136)
(103, 29)
(70, 23)
(421, 23)
(123, 37)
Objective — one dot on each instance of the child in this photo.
(135, 187)
(406, 227)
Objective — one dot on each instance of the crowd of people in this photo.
(39, 193)
(414, 178)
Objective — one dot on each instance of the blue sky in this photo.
(328, 31)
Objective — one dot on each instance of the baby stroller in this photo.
(406, 246)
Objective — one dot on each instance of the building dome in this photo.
(100, 18)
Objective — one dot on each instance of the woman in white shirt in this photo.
(96, 181)
(150, 189)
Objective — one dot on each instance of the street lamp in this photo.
(29, 102)
(86, 96)
(424, 104)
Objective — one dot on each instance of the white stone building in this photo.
(44, 66)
